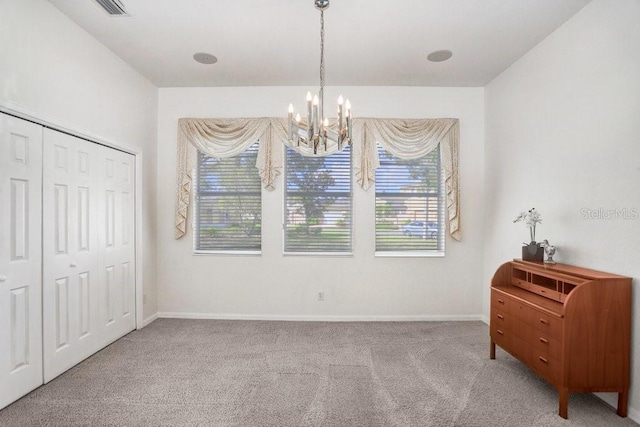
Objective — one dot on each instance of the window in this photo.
(409, 205)
(318, 203)
(228, 203)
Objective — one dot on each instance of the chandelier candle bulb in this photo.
(309, 115)
(290, 120)
(297, 127)
(315, 127)
(348, 107)
(340, 102)
(325, 125)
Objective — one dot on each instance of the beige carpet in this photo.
(252, 373)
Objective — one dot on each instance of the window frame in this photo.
(285, 211)
(196, 218)
(440, 252)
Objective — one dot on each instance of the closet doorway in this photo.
(67, 252)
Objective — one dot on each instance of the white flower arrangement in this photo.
(530, 218)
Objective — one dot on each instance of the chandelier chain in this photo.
(321, 54)
(321, 48)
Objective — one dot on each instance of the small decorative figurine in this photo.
(550, 250)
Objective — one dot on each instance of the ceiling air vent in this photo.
(113, 7)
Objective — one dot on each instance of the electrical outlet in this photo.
(320, 296)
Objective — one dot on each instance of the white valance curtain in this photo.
(411, 139)
(404, 138)
(223, 138)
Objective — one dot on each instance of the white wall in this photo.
(52, 69)
(361, 286)
(562, 132)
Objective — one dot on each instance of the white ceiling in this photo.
(277, 42)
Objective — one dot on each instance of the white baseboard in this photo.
(633, 415)
(321, 318)
(611, 399)
(149, 320)
(484, 320)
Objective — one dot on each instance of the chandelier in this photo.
(314, 130)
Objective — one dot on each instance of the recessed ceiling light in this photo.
(439, 55)
(205, 58)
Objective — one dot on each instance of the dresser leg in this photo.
(563, 397)
(623, 397)
(492, 350)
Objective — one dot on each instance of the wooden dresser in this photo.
(570, 325)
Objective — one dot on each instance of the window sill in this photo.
(232, 253)
(409, 254)
(319, 254)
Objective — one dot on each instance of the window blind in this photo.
(409, 205)
(228, 203)
(317, 217)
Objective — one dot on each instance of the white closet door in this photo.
(117, 244)
(89, 249)
(20, 258)
(71, 251)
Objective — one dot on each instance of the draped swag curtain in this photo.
(403, 138)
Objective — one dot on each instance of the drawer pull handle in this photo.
(499, 332)
(543, 360)
(500, 316)
(500, 301)
(544, 322)
(544, 341)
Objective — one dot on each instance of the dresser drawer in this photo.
(546, 346)
(521, 330)
(499, 301)
(520, 283)
(547, 324)
(520, 348)
(499, 335)
(546, 367)
(521, 311)
(520, 339)
(545, 292)
(499, 319)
